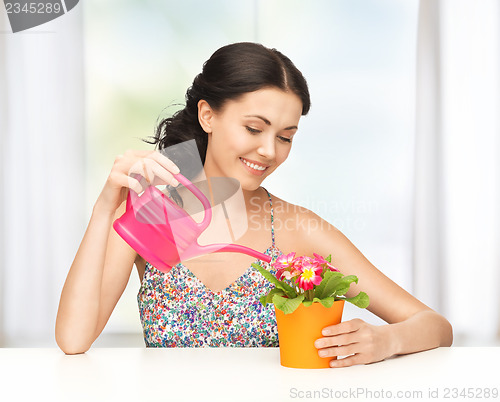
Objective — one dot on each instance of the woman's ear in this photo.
(205, 115)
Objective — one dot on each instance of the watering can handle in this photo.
(198, 194)
(129, 201)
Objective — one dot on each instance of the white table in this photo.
(234, 374)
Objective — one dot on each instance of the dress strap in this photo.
(272, 215)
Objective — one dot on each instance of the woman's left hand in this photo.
(365, 343)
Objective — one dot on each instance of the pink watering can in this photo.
(164, 234)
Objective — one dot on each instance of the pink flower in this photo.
(284, 261)
(324, 263)
(310, 272)
(286, 267)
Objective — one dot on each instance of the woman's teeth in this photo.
(252, 165)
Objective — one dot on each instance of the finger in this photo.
(152, 173)
(143, 184)
(155, 155)
(347, 361)
(123, 180)
(165, 162)
(339, 350)
(134, 184)
(161, 175)
(145, 170)
(336, 340)
(342, 328)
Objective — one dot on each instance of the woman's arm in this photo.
(103, 263)
(412, 326)
(95, 282)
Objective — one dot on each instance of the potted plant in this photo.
(308, 295)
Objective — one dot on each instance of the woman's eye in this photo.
(285, 139)
(252, 130)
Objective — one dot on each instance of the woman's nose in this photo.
(267, 147)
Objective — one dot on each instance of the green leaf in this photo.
(327, 302)
(329, 258)
(287, 305)
(341, 291)
(350, 279)
(344, 285)
(269, 297)
(307, 303)
(361, 300)
(289, 291)
(328, 285)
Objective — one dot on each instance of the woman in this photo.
(243, 110)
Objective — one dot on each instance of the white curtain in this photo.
(42, 165)
(3, 129)
(457, 172)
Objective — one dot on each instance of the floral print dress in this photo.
(178, 310)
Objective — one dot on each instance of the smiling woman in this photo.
(359, 64)
(242, 110)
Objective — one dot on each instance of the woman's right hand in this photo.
(135, 170)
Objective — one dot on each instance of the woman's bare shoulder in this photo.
(297, 228)
(299, 217)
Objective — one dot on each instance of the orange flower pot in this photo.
(298, 331)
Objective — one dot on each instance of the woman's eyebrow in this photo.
(260, 117)
(269, 123)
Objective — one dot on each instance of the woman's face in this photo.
(251, 136)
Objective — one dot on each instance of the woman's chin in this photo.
(247, 182)
(250, 185)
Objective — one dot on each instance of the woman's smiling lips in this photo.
(254, 167)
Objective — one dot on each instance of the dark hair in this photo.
(231, 71)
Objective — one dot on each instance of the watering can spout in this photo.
(231, 248)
